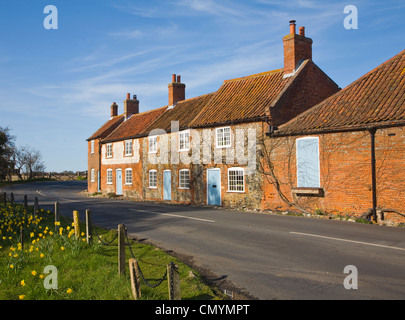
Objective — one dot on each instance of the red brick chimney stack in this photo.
(131, 106)
(297, 49)
(114, 110)
(177, 90)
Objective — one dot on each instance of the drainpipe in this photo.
(99, 166)
(373, 172)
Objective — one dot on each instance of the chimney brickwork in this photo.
(114, 110)
(297, 49)
(177, 90)
(131, 106)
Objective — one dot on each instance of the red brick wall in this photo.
(93, 163)
(345, 167)
(310, 87)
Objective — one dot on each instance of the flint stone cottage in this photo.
(236, 147)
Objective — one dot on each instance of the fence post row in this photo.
(173, 275)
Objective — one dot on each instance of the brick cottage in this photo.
(236, 147)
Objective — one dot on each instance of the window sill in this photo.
(230, 191)
(152, 187)
(308, 192)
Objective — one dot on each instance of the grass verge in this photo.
(52, 264)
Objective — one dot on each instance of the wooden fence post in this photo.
(36, 205)
(121, 249)
(76, 223)
(89, 227)
(173, 280)
(57, 213)
(12, 198)
(22, 238)
(135, 278)
(25, 202)
(5, 198)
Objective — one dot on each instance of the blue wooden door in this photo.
(167, 185)
(214, 187)
(118, 191)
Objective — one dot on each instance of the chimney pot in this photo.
(173, 78)
(292, 26)
(179, 79)
(302, 31)
(128, 96)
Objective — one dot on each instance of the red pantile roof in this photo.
(375, 99)
(184, 112)
(137, 125)
(242, 99)
(107, 128)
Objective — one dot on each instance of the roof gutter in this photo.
(337, 130)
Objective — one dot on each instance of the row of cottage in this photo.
(287, 139)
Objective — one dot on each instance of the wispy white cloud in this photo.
(128, 34)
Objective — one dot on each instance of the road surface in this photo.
(254, 255)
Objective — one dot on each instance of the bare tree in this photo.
(29, 161)
(6, 151)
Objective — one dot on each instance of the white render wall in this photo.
(118, 157)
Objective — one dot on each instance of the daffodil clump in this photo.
(24, 255)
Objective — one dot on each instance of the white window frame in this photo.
(92, 175)
(154, 184)
(152, 144)
(235, 188)
(128, 147)
(109, 176)
(184, 140)
(222, 137)
(128, 176)
(187, 184)
(109, 150)
(92, 146)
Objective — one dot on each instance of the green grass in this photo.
(84, 272)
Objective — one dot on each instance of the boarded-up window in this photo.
(308, 175)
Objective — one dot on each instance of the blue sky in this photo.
(56, 86)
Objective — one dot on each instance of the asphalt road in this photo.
(262, 256)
